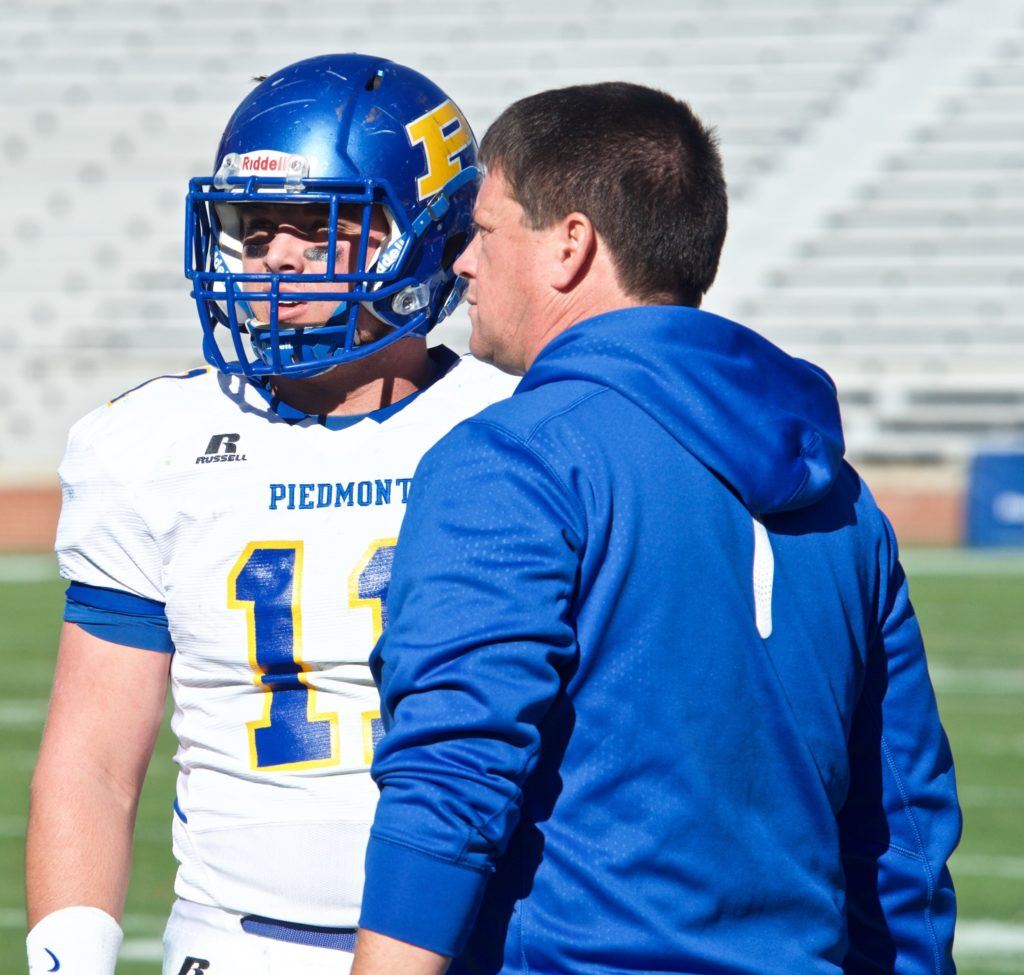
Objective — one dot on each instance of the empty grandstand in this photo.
(874, 149)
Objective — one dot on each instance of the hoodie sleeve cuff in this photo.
(420, 899)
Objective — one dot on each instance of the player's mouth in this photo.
(290, 310)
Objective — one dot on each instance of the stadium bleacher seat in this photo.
(877, 198)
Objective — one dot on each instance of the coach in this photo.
(656, 696)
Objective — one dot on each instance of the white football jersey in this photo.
(270, 543)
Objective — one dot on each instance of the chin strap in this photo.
(438, 206)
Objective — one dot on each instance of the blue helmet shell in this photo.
(341, 130)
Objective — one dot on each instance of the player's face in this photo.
(288, 238)
(502, 266)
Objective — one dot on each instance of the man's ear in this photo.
(574, 243)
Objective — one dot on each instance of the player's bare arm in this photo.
(236, 523)
(104, 715)
(380, 955)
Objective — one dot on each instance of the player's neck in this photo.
(369, 384)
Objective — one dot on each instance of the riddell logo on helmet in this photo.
(264, 161)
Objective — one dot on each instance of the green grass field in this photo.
(972, 612)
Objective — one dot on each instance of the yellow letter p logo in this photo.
(444, 133)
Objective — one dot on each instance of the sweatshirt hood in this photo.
(766, 423)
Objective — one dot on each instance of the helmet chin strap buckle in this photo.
(438, 206)
(454, 297)
(411, 299)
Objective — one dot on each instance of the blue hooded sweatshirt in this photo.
(655, 694)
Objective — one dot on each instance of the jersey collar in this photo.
(443, 358)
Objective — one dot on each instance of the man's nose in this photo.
(465, 265)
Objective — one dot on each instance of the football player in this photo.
(229, 531)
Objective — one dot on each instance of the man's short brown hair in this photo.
(638, 163)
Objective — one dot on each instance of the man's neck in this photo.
(576, 307)
(369, 384)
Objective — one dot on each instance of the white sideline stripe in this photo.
(989, 703)
(988, 938)
(959, 561)
(12, 827)
(977, 680)
(22, 760)
(28, 568)
(148, 924)
(997, 796)
(990, 745)
(143, 924)
(141, 949)
(988, 865)
(22, 712)
(12, 917)
(1008, 567)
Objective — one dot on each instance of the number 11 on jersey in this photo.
(266, 584)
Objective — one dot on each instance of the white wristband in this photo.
(83, 940)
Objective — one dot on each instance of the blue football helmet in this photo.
(350, 133)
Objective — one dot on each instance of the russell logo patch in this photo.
(222, 447)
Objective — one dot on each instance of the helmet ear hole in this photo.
(453, 247)
(374, 81)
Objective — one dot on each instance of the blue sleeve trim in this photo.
(118, 617)
(394, 905)
(114, 600)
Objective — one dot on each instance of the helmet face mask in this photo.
(346, 134)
